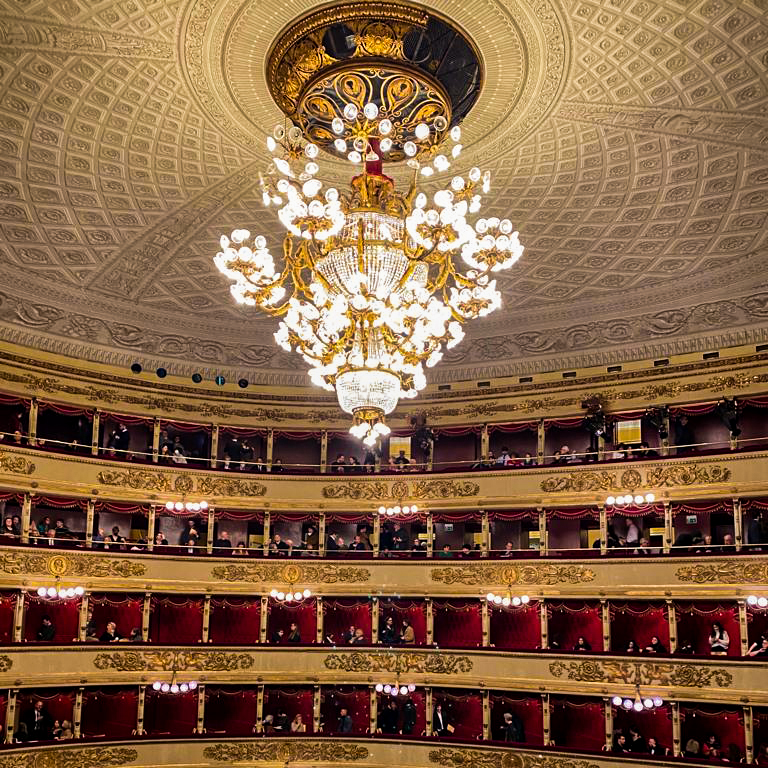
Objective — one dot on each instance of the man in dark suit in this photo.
(345, 721)
(46, 632)
(513, 728)
(388, 718)
(332, 544)
(39, 723)
(439, 722)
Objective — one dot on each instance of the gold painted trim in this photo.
(645, 672)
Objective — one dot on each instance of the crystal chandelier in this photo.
(374, 283)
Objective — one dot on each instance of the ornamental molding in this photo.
(64, 757)
(642, 673)
(724, 572)
(379, 490)
(6, 662)
(471, 758)
(419, 662)
(291, 573)
(661, 476)
(285, 752)
(18, 563)
(16, 465)
(166, 482)
(544, 573)
(168, 661)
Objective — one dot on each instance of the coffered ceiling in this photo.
(628, 141)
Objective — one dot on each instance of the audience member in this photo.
(513, 728)
(388, 718)
(759, 648)
(294, 636)
(440, 724)
(582, 644)
(387, 634)
(345, 722)
(39, 724)
(409, 717)
(114, 539)
(223, 541)
(298, 725)
(46, 632)
(407, 635)
(110, 634)
(655, 646)
(718, 640)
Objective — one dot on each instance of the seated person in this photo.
(294, 636)
(582, 645)
(110, 633)
(46, 631)
(759, 648)
(91, 633)
(711, 748)
(655, 646)
(445, 552)
(387, 634)
(222, 541)
(298, 725)
(632, 647)
(114, 539)
(509, 550)
(358, 638)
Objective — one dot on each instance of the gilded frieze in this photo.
(686, 474)
(543, 573)
(69, 565)
(225, 486)
(285, 752)
(168, 661)
(580, 482)
(489, 758)
(63, 757)
(642, 673)
(400, 662)
(165, 482)
(724, 572)
(323, 573)
(16, 465)
(400, 490)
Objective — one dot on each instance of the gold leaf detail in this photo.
(167, 661)
(513, 574)
(274, 572)
(580, 481)
(422, 662)
(63, 757)
(285, 752)
(686, 474)
(642, 673)
(69, 565)
(16, 465)
(724, 572)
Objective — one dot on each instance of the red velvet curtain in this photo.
(355, 699)
(574, 618)
(577, 722)
(7, 608)
(515, 629)
(700, 720)
(419, 701)
(171, 714)
(235, 620)
(694, 625)
(639, 622)
(463, 711)
(339, 614)
(230, 710)
(304, 614)
(757, 623)
(60, 705)
(109, 712)
(760, 734)
(413, 610)
(527, 708)
(457, 623)
(292, 701)
(124, 610)
(650, 723)
(176, 620)
(64, 615)
(455, 451)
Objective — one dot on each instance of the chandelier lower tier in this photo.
(375, 283)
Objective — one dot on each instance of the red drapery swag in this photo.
(650, 723)
(64, 615)
(60, 705)
(244, 431)
(577, 723)
(291, 701)
(170, 714)
(124, 610)
(639, 622)
(235, 620)
(239, 514)
(67, 410)
(694, 624)
(653, 511)
(122, 418)
(185, 426)
(514, 426)
(125, 509)
(515, 629)
(513, 514)
(692, 409)
(339, 615)
(355, 700)
(7, 608)
(574, 618)
(304, 614)
(457, 623)
(701, 507)
(109, 712)
(230, 710)
(463, 711)
(565, 423)
(176, 620)
(54, 502)
(527, 708)
(414, 611)
(418, 699)
(698, 722)
(573, 513)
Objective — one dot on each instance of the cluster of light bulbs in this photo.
(638, 704)
(62, 593)
(759, 602)
(290, 595)
(395, 689)
(174, 687)
(369, 431)
(397, 510)
(189, 506)
(507, 600)
(636, 499)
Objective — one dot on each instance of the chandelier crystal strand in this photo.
(369, 292)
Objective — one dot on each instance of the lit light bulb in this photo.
(338, 125)
(616, 701)
(183, 687)
(650, 498)
(639, 499)
(307, 593)
(762, 602)
(42, 592)
(657, 701)
(192, 685)
(610, 501)
(371, 111)
(165, 687)
(204, 504)
(179, 506)
(51, 591)
(174, 688)
(354, 157)
(648, 703)
(340, 144)
(169, 506)
(489, 597)
(638, 706)
(385, 145)
(627, 703)
(385, 126)
(156, 685)
(409, 148)
(421, 131)
(350, 111)
(379, 687)
(525, 599)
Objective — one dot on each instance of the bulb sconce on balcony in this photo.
(639, 703)
(630, 499)
(189, 506)
(290, 595)
(757, 602)
(395, 689)
(173, 686)
(59, 592)
(508, 599)
(398, 510)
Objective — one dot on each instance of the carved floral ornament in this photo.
(673, 475)
(496, 758)
(513, 574)
(642, 673)
(68, 757)
(724, 572)
(420, 662)
(167, 482)
(15, 465)
(398, 490)
(285, 752)
(73, 565)
(169, 661)
(291, 573)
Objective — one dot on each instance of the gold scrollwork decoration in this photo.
(284, 752)
(642, 673)
(548, 574)
(686, 474)
(224, 486)
(69, 565)
(443, 489)
(68, 757)
(138, 480)
(357, 491)
(580, 481)
(6, 662)
(16, 465)
(421, 662)
(279, 573)
(167, 661)
(724, 572)
(360, 490)
(496, 758)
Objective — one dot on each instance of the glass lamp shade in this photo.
(367, 389)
